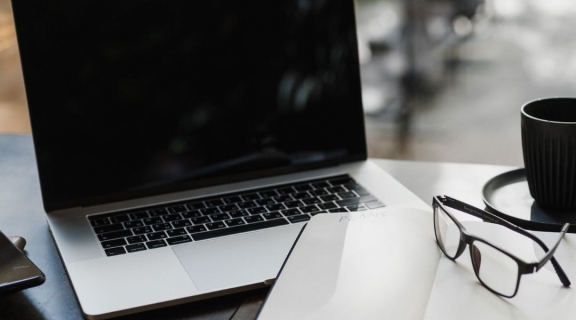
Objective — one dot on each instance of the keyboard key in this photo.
(228, 207)
(115, 235)
(109, 228)
(327, 205)
(133, 224)
(346, 195)
(234, 222)
(234, 199)
(195, 205)
(374, 204)
(161, 226)
(115, 251)
(196, 229)
(338, 210)
(239, 229)
(339, 181)
(265, 202)
(176, 209)
(214, 203)
(191, 214)
(311, 201)
(268, 193)
(300, 218)
(285, 191)
(142, 230)
(330, 197)
(335, 189)
(238, 214)
(154, 220)
(303, 187)
(321, 185)
(136, 247)
(209, 211)
(178, 240)
(284, 198)
(97, 222)
(247, 204)
(118, 219)
(215, 225)
(155, 244)
(113, 243)
(291, 212)
(353, 201)
(301, 195)
(294, 204)
(136, 239)
(309, 209)
(276, 207)
(253, 219)
(200, 220)
(176, 232)
(250, 196)
(272, 215)
(257, 210)
(172, 217)
(219, 217)
(138, 215)
(156, 235)
(181, 223)
(157, 212)
(320, 192)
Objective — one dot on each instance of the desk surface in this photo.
(21, 213)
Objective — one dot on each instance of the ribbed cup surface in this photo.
(550, 163)
(549, 147)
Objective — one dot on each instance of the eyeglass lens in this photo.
(494, 269)
(447, 232)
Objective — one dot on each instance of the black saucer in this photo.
(507, 195)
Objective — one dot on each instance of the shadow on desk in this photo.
(20, 307)
(240, 306)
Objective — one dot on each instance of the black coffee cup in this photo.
(549, 146)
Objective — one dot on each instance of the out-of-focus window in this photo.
(13, 111)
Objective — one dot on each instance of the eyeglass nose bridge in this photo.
(465, 239)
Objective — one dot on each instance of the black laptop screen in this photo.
(129, 98)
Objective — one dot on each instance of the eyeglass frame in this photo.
(466, 239)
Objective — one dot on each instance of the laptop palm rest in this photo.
(234, 261)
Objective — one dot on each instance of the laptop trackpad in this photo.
(238, 260)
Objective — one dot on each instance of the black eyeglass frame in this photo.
(441, 202)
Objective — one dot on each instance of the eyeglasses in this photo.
(498, 270)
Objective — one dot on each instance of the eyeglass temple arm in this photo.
(489, 217)
(550, 253)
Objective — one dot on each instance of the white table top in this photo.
(457, 180)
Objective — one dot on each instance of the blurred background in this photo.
(442, 80)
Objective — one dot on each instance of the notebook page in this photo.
(373, 265)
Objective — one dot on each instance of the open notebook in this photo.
(386, 265)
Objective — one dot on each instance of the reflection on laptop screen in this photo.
(127, 96)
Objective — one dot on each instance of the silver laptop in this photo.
(182, 145)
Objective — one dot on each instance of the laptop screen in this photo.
(132, 98)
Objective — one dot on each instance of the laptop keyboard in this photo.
(201, 219)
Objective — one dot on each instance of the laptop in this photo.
(182, 145)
